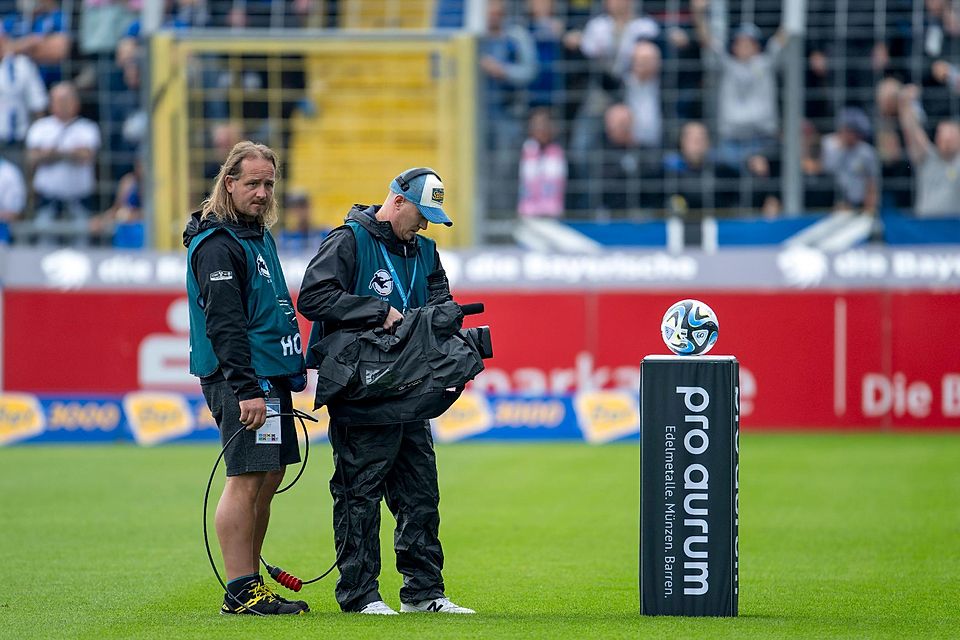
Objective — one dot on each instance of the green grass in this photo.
(842, 536)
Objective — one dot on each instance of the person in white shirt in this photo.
(543, 169)
(607, 41)
(642, 94)
(13, 196)
(62, 150)
(608, 38)
(23, 96)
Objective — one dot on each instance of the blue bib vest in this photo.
(375, 279)
(378, 278)
(275, 345)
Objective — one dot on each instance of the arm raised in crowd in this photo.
(699, 8)
(918, 143)
(947, 74)
(523, 69)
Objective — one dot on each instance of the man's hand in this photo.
(493, 68)
(941, 71)
(880, 57)
(394, 318)
(572, 39)
(908, 95)
(759, 165)
(253, 413)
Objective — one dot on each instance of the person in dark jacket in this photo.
(366, 274)
(245, 347)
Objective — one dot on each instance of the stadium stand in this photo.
(621, 81)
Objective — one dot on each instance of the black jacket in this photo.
(368, 377)
(325, 294)
(224, 301)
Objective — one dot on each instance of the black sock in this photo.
(237, 585)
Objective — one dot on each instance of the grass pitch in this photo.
(841, 536)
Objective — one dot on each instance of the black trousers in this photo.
(395, 462)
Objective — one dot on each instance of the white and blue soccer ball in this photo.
(690, 328)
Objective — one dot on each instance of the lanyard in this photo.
(404, 295)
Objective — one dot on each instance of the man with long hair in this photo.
(246, 349)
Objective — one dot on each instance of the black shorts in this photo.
(244, 455)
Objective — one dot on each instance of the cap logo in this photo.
(437, 195)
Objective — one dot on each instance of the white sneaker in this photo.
(438, 605)
(379, 608)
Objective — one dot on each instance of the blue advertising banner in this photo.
(155, 417)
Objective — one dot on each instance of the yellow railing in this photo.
(372, 105)
(387, 14)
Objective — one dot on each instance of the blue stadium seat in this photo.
(129, 235)
(449, 14)
(760, 232)
(632, 234)
(898, 229)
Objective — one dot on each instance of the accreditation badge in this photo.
(269, 433)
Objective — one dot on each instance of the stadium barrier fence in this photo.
(825, 341)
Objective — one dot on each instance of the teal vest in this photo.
(276, 349)
(375, 277)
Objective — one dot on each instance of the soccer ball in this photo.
(690, 328)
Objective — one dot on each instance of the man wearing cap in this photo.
(852, 162)
(747, 114)
(366, 274)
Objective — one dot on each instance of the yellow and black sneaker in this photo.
(300, 603)
(256, 599)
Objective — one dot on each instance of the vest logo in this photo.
(437, 195)
(21, 417)
(262, 267)
(607, 415)
(157, 417)
(381, 283)
(218, 276)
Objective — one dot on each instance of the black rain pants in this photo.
(395, 462)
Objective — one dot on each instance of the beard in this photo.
(259, 215)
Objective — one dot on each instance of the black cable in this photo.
(336, 558)
(301, 416)
(346, 501)
(206, 538)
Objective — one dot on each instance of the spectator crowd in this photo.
(592, 109)
(674, 107)
(72, 120)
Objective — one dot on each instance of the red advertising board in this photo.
(820, 359)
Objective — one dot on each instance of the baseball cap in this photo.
(749, 30)
(855, 119)
(425, 191)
